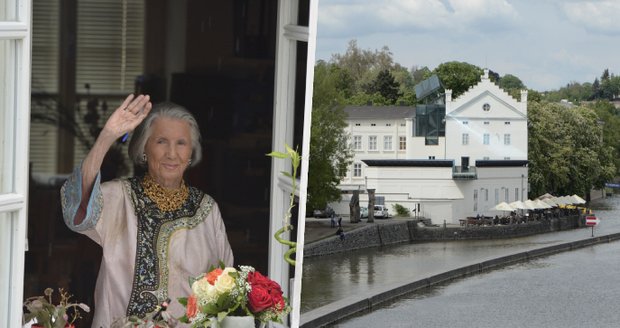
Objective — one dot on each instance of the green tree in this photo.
(566, 151)
(330, 154)
(363, 65)
(610, 122)
(386, 86)
(458, 76)
(510, 82)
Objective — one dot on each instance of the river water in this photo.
(330, 278)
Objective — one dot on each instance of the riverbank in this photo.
(321, 238)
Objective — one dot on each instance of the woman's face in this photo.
(168, 151)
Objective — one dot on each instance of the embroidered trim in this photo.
(70, 197)
(155, 228)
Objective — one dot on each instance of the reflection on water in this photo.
(329, 278)
(572, 289)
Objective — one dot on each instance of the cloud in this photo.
(594, 16)
(363, 17)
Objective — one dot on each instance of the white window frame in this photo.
(402, 143)
(357, 170)
(486, 139)
(288, 34)
(357, 142)
(465, 139)
(372, 143)
(507, 139)
(16, 122)
(387, 143)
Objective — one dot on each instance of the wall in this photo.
(413, 231)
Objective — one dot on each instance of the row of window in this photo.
(375, 124)
(486, 139)
(486, 122)
(485, 195)
(373, 143)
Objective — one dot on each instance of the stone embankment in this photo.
(415, 230)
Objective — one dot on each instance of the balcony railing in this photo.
(464, 173)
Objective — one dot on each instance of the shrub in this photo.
(400, 210)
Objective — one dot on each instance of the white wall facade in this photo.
(485, 109)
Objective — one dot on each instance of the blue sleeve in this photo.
(71, 196)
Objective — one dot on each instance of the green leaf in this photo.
(277, 154)
(182, 300)
(286, 174)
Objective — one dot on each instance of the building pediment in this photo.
(486, 104)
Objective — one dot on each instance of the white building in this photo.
(447, 164)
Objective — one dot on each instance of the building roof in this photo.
(379, 112)
(501, 163)
(409, 162)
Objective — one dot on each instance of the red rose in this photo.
(256, 278)
(259, 299)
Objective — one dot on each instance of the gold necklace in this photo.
(166, 199)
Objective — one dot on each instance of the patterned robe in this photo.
(148, 254)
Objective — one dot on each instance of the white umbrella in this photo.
(559, 200)
(547, 195)
(542, 204)
(503, 206)
(532, 204)
(518, 205)
(550, 202)
(578, 200)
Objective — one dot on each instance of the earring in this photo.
(189, 162)
(144, 158)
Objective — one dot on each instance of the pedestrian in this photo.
(340, 232)
(333, 220)
(340, 222)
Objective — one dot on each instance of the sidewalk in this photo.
(320, 228)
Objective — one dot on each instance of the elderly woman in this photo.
(155, 230)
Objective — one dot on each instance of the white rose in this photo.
(201, 288)
(225, 282)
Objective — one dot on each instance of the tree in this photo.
(330, 154)
(457, 76)
(363, 65)
(510, 82)
(566, 151)
(386, 86)
(610, 123)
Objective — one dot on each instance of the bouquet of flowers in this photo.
(227, 291)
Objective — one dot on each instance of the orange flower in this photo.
(191, 306)
(212, 276)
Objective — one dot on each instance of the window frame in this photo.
(16, 29)
(387, 143)
(372, 143)
(357, 142)
(357, 168)
(402, 142)
(507, 139)
(465, 139)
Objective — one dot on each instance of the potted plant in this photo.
(50, 315)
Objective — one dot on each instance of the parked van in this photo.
(381, 211)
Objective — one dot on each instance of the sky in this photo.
(545, 43)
